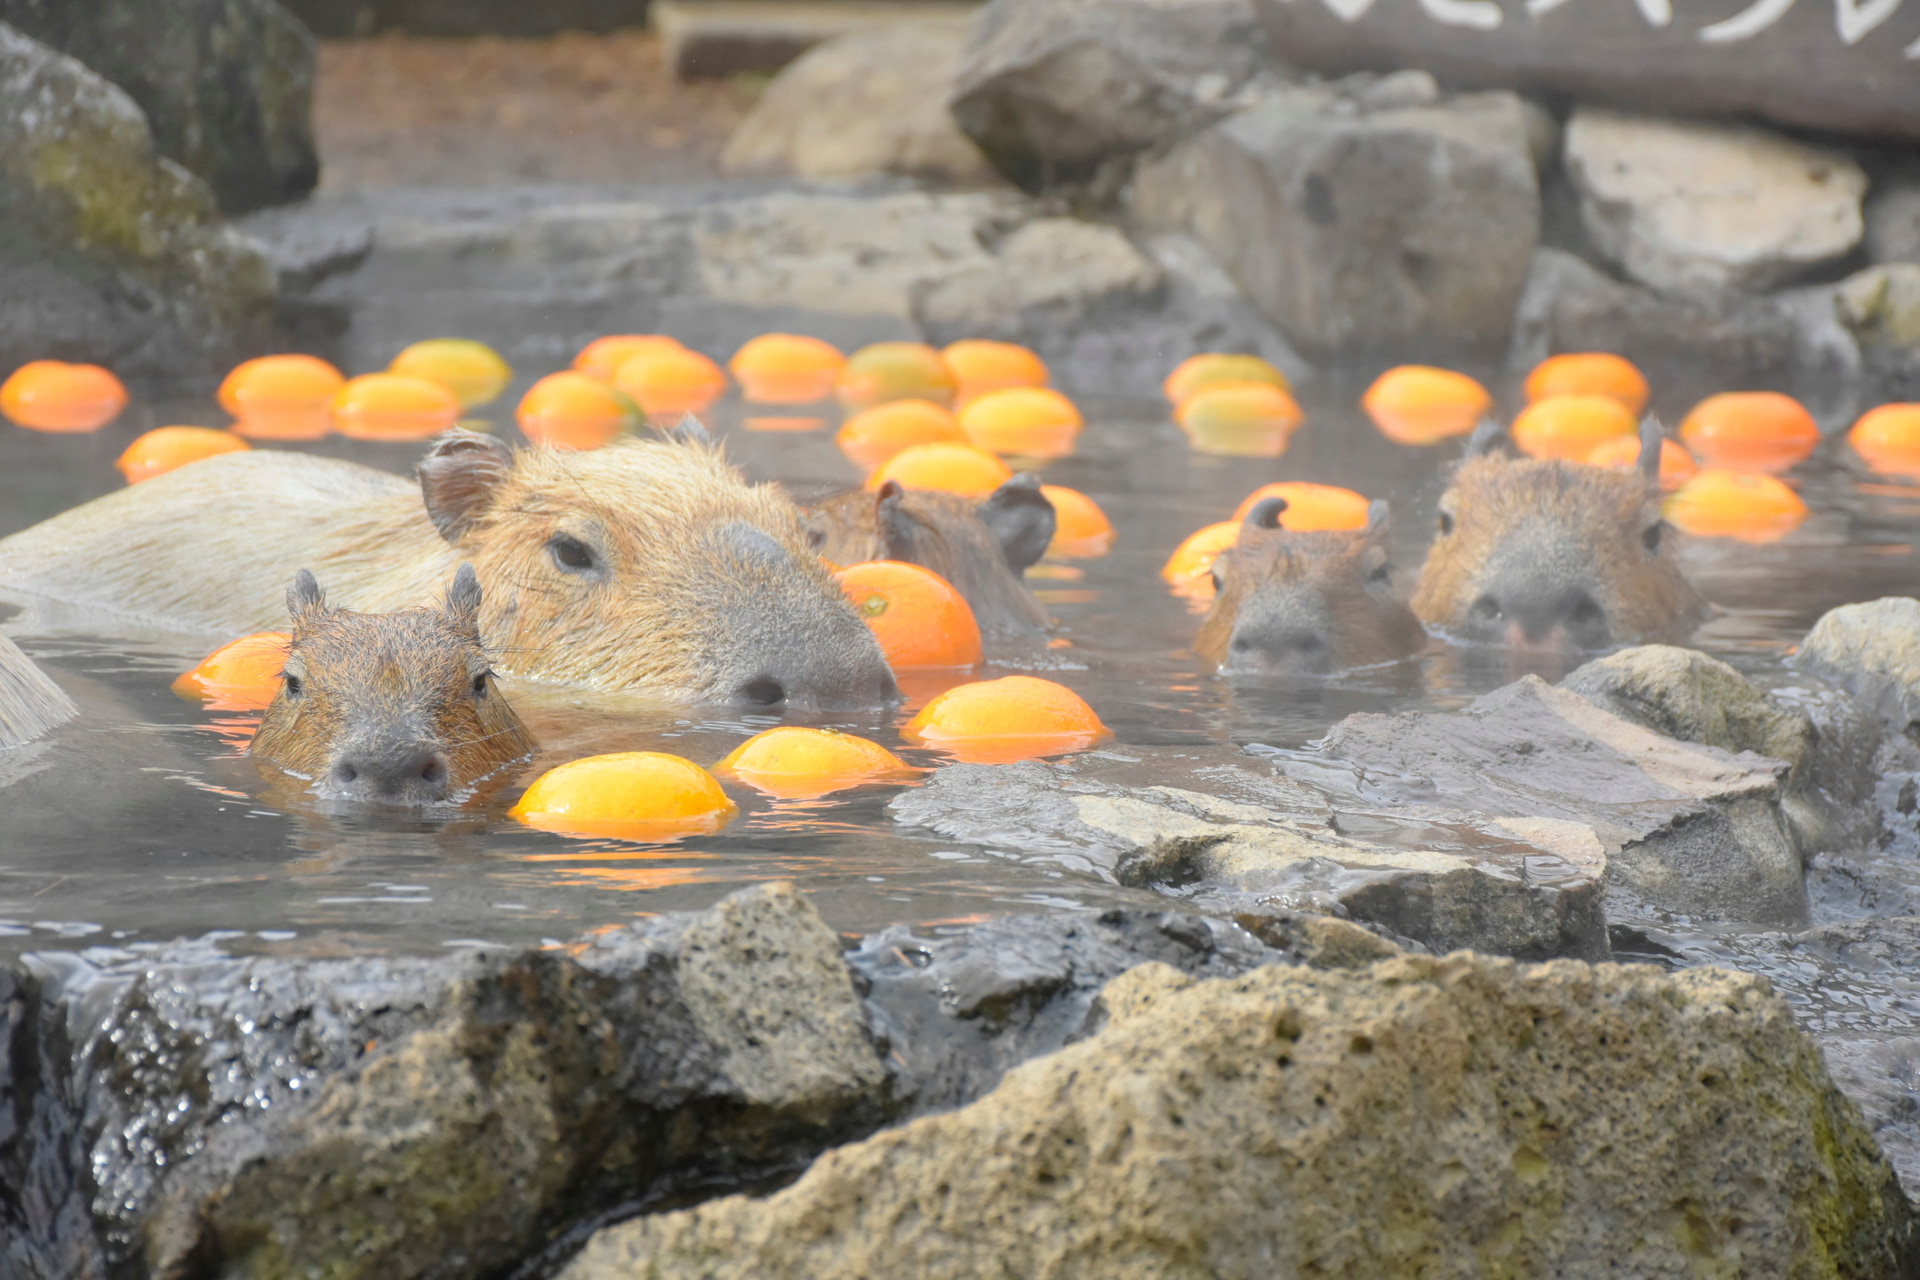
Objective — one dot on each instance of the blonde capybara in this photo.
(1550, 555)
(649, 565)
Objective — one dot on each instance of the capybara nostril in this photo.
(763, 691)
(405, 773)
(1485, 611)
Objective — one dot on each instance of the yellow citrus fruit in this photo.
(1745, 505)
(1013, 718)
(1750, 431)
(955, 468)
(1570, 426)
(979, 365)
(1239, 419)
(286, 397)
(1888, 439)
(794, 763)
(917, 616)
(1419, 404)
(393, 406)
(48, 395)
(603, 357)
(575, 411)
(165, 449)
(1197, 373)
(666, 384)
(1032, 422)
(873, 435)
(1081, 530)
(631, 795)
(472, 371)
(241, 675)
(887, 371)
(1589, 373)
(1189, 570)
(786, 368)
(1310, 506)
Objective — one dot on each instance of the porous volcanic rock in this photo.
(227, 85)
(109, 253)
(1701, 209)
(1477, 1116)
(866, 103)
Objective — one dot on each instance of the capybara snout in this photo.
(389, 708)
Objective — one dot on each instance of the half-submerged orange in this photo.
(393, 406)
(575, 411)
(1589, 373)
(1081, 530)
(796, 763)
(165, 449)
(886, 371)
(241, 675)
(786, 368)
(1570, 426)
(871, 436)
(284, 397)
(629, 795)
(1750, 431)
(51, 395)
(954, 468)
(1013, 718)
(1240, 419)
(1744, 505)
(1310, 506)
(980, 365)
(918, 617)
(1030, 422)
(1419, 404)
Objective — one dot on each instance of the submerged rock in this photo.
(1474, 1115)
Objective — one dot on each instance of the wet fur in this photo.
(31, 705)
(1340, 572)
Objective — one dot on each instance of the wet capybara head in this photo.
(1554, 555)
(651, 563)
(389, 708)
(1306, 603)
(981, 547)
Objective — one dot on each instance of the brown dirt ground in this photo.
(428, 111)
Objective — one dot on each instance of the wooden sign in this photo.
(1851, 66)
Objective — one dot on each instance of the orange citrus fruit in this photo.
(393, 406)
(164, 449)
(241, 675)
(1013, 718)
(786, 368)
(603, 357)
(955, 468)
(1189, 570)
(1745, 505)
(1240, 419)
(1750, 431)
(1570, 426)
(873, 435)
(666, 384)
(917, 616)
(1196, 373)
(1888, 439)
(802, 764)
(1589, 373)
(886, 371)
(48, 395)
(575, 411)
(979, 365)
(1081, 530)
(472, 371)
(631, 795)
(1622, 453)
(1033, 422)
(288, 397)
(1418, 404)
(1310, 506)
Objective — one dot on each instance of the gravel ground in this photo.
(424, 111)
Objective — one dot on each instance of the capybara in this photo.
(647, 565)
(981, 547)
(1306, 603)
(1554, 555)
(389, 708)
(31, 705)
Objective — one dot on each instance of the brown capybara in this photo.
(648, 565)
(981, 547)
(1556, 556)
(389, 708)
(1306, 603)
(31, 705)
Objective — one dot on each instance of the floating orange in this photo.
(393, 406)
(1197, 373)
(873, 435)
(1031, 422)
(786, 368)
(1081, 530)
(603, 357)
(886, 371)
(1013, 718)
(48, 395)
(472, 371)
(1745, 505)
(666, 384)
(1888, 439)
(165, 449)
(802, 764)
(631, 795)
(242, 675)
(955, 468)
(979, 365)
(575, 411)
(1189, 570)
(1750, 431)
(1418, 404)
(1589, 373)
(1570, 426)
(1240, 419)
(917, 616)
(1310, 506)
(288, 397)
(1622, 453)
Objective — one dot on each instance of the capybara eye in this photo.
(480, 684)
(294, 684)
(1383, 574)
(1446, 523)
(1651, 538)
(763, 691)
(571, 554)
(816, 538)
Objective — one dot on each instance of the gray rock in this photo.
(1873, 651)
(1892, 215)
(866, 103)
(1679, 827)
(1880, 309)
(1702, 209)
(227, 85)
(1358, 223)
(1053, 90)
(1479, 1116)
(107, 252)
(31, 705)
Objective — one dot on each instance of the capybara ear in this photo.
(1485, 438)
(463, 599)
(1266, 513)
(892, 521)
(689, 430)
(1020, 519)
(1379, 517)
(1652, 434)
(305, 599)
(458, 477)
